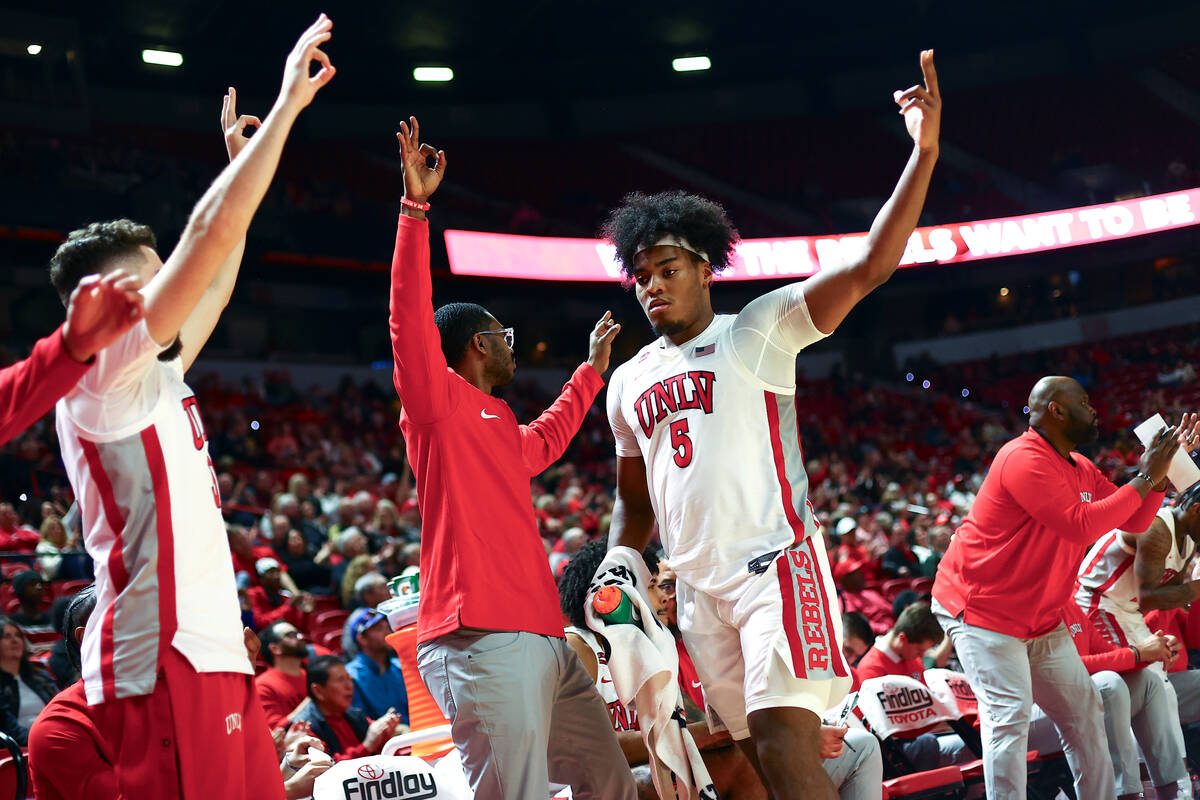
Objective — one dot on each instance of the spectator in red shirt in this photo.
(487, 595)
(898, 652)
(850, 548)
(345, 730)
(14, 535)
(1000, 590)
(282, 688)
(270, 603)
(856, 597)
(1133, 696)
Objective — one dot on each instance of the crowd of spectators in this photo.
(321, 512)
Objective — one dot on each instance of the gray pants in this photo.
(1136, 704)
(1187, 690)
(858, 771)
(524, 712)
(1008, 675)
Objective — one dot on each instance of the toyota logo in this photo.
(370, 772)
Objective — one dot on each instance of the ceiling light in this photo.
(433, 74)
(691, 64)
(33, 49)
(164, 58)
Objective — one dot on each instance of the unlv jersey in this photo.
(137, 457)
(715, 421)
(623, 718)
(1107, 570)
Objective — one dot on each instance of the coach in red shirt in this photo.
(1010, 569)
(491, 647)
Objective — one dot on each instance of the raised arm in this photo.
(1033, 485)
(419, 371)
(221, 218)
(1150, 562)
(200, 323)
(832, 293)
(544, 440)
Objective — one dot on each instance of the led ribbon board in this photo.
(498, 255)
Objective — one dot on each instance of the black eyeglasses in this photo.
(509, 337)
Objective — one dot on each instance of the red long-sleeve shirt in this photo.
(483, 564)
(69, 758)
(1178, 623)
(1011, 565)
(1096, 652)
(30, 388)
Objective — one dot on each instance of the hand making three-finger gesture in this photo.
(420, 179)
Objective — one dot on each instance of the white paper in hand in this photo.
(1183, 471)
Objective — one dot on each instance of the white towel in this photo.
(645, 667)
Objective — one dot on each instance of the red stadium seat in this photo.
(922, 585)
(328, 619)
(68, 588)
(329, 639)
(326, 602)
(10, 568)
(929, 785)
(894, 587)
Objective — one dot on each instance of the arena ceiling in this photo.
(557, 52)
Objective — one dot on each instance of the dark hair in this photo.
(457, 323)
(903, 600)
(919, 624)
(318, 669)
(855, 624)
(578, 574)
(82, 604)
(642, 219)
(269, 636)
(25, 666)
(1188, 497)
(86, 250)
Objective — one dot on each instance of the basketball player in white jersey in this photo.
(164, 661)
(1128, 573)
(706, 429)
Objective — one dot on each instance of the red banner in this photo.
(500, 255)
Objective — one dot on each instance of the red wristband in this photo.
(404, 201)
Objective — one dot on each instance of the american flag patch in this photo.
(707, 350)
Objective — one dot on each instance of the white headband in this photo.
(674, 241)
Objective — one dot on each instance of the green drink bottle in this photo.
(613, 606)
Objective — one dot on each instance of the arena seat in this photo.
(329, 639)
(892, 588)
(933, 784)
(328, 619)
(68, 588)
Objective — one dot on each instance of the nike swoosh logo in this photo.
(605, 680)
(695, 684)
(486, 415)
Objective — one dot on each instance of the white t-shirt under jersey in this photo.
(137, 457)
(715, 421)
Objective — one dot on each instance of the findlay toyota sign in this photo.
(380, 778)
(553, 258)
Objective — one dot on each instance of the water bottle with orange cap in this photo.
(614, 606)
